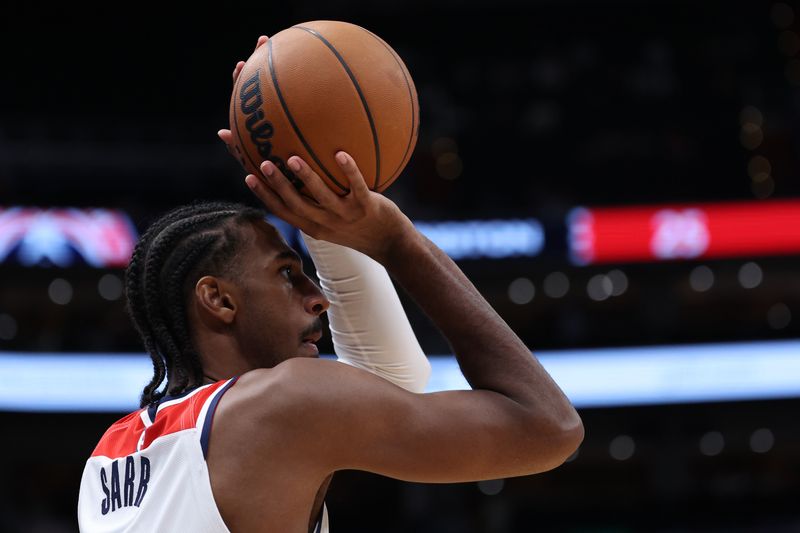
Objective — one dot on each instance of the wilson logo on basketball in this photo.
(260, 129)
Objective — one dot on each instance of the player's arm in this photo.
(369, 327)
(517, 421)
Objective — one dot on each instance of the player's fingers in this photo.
(240, 65)
(237, 70)
(281, 185)
(225, 135)
(313, 183)
(272, 201)
(358, 186)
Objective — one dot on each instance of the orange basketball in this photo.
(320, 87)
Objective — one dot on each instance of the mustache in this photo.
(315, 327)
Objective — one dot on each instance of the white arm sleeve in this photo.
(369, 326)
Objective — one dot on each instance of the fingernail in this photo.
(294, 164)
(219, 133)
(267, 168)
(250, 180)
(341, 158)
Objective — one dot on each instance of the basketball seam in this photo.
(360, 95)
(293, 123)
(414, 123)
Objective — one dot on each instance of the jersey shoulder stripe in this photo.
(120, 439)
(138, 430)
(208, 416)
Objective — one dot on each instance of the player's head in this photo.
(217, 269)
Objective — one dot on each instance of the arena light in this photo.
(608, 377)
(494, 239)
(701, 231)
(669, 374)
(464, 239)
(102, 238)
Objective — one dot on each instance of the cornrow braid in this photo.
(156, 306)
(176, 250)
(136, 304)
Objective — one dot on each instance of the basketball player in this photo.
(252, 424)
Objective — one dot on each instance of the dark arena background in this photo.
(620, 180)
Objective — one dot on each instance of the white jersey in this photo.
(149, 472)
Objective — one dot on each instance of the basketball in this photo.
(320, 87)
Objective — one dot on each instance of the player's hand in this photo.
(225, 134)
(363, 220)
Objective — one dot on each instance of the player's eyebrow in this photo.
(288, 253)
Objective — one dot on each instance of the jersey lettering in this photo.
(143, 479)
(117, 497)
(116, 501)
(128, 492)
(107, 500)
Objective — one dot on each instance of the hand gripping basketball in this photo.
(322, 87)
(363, 220)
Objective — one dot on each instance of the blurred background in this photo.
(619, 179)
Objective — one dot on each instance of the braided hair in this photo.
(178, 249)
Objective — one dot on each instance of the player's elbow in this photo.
(551, 440)
(567, 435)
(573, 434)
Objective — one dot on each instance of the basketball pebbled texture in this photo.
(320, 87)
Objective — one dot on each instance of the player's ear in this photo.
(214, 301)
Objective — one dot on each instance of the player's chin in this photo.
(308, 349)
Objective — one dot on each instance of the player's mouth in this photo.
(309, 339)
(308, 348)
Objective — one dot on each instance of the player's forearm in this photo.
(369, 326)
(490, 354)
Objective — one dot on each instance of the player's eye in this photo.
(287, 272)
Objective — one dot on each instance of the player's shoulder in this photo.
(291, 385)
(287, 378)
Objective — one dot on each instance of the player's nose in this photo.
(315, 302)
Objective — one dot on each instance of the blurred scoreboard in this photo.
(101, 238)
(104, 238)
(703, 231)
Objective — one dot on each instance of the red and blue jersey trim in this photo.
(205, 434)
(138, 430)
